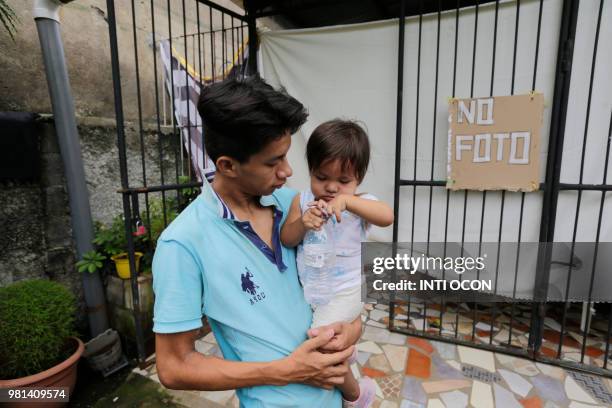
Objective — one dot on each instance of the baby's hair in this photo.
(342, 140)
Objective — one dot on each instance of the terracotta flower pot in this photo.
(63, 374)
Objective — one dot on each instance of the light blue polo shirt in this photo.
(205, 264)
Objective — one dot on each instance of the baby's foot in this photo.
(367, 393)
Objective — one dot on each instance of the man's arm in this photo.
(180, 366)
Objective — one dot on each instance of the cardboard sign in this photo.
(494, 143)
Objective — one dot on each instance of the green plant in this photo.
(190, 192)
(156, 215)
(91, 262)
(111, 240)
(187, 194)
(36, 319)
(8, 18)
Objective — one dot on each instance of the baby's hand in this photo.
(321, 205)
(313, 218)
(337, 205)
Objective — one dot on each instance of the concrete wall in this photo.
(101, 160)
(86, 41)
(36, 239)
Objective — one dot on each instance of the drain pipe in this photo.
(46, 15)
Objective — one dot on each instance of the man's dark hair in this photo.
(342, 140)
(241, 116)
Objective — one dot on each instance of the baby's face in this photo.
(330, 180)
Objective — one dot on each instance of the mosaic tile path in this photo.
(507, 325)
(411, 372)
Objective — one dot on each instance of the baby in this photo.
(338, 153)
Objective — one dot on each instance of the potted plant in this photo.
(111, 243)
(38, 347)
(122, 263)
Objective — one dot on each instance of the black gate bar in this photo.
(112, 28)
(563, 75)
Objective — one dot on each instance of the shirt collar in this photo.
(274, 253)
(224, 211)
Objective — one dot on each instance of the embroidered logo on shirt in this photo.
(250, 287)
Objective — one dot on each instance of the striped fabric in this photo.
(181, 84)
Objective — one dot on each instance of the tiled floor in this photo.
(507, 324)
(411, 372)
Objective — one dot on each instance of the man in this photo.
(222, 257)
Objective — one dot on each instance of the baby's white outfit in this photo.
(346, 304)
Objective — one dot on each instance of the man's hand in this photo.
(345, 335)
(308, 365)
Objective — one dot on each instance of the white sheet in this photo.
(351, 71)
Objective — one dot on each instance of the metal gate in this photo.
(212, 40)
(483, 41)
(537, 330)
